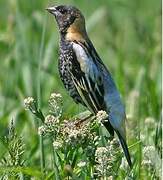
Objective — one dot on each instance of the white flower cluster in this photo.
(75, 135)
(101, 157)
(101, 152)
(106, 157)
(41, 130)
(56, 96)
(151, 159)
(101, 116)
(28, 102)
(55, 103)
(81, 164)
(51, 120)
(57, 145)
(51, 124)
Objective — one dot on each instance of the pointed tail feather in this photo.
(125, 149)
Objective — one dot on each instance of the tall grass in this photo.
(126, 34)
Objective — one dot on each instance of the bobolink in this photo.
(84, 75)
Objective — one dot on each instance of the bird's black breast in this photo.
(67, 64)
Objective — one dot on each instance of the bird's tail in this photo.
(125, 148)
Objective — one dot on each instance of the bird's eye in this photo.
(63, 11)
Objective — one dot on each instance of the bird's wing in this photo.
(89, 82)
(88, 79)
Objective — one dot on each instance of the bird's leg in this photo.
(80, 121)
(111, 137)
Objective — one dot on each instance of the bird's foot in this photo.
(80, 121)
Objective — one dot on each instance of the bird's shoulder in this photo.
(68, 58)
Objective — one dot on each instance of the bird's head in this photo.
(69, 19)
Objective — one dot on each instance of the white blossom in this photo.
(101, 116)
(50, 120)
(41, 130)
(82, 164)
(57, 145)
(28, 102)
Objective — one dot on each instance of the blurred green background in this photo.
(127, 36)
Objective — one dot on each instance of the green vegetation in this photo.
(127, 35)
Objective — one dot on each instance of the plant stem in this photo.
(42, 154)
(56, 170)
(40, 62)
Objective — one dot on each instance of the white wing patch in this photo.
(81, 57)
(90, 83)
(86, 62)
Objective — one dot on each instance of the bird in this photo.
(84, 75)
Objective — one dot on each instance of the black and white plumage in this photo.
(84, 75)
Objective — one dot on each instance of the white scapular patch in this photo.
(81, 57)
(86, 62)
